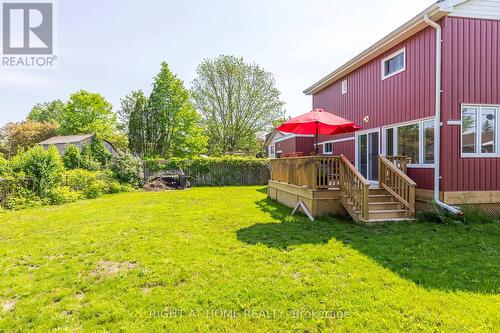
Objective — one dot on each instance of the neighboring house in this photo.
(407, 84)
(270, 142)
(294, 145)
(280, 144)
(63, 142)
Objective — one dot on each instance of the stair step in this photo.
(388, 214)
(380, 198)
(376, 191)
(388, 205)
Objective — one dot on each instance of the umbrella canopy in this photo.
(318, 121)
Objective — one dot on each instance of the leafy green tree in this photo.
(165, 124)
(51, 112)
(25, 135)
(237, 101)
(87, 112)
(72, 157)
(134, 113)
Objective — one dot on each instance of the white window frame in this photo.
(479, 108)
(356, 143)
(325, 144)
(383, 61)
(271, 150)
(344, 87)
(421, 139)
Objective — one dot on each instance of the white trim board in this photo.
(338, 140)
(291, 136)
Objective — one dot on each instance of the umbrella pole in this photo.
(316, 136)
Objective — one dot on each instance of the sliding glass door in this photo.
(367, 151)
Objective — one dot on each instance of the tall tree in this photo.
(87, 112)
(25, 135)
(165, 124)
(50, 112)
(134, 115)
(237, 101)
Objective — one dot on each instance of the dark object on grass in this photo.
(168, 180)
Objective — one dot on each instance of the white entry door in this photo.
(367, 152)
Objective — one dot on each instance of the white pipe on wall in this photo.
(437, 118)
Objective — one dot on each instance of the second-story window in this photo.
(394, 64)
(344, 87)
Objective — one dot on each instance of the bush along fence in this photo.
(213, 171)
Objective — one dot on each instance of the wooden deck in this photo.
(332, 185)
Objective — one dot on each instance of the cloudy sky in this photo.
(116, 46)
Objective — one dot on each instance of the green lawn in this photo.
(228, 259)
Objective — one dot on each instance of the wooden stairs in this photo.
(382, 207)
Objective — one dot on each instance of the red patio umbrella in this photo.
(316, 122)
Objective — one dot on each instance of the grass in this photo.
(228, 259)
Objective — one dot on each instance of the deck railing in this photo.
(354, 187)
(337, 172)
(401, 162)
(397, 183)
(313, 172)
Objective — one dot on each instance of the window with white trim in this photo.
(394, 64)
(479, 130)
(344, 87)
(428, 141)
(415, 140)
(328, 148)
(409, 142)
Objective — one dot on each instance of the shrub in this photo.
(21, 200)
(87, 159)
(63, 194)
(72, 157)
(43, 168)
(116, 187)
(127, 169)
(4, 165)
(90, 183)
(99, 152)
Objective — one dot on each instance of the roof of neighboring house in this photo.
(66, 139)
(270, 136)
(435, 12)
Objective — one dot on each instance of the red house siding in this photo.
(404, 97)
(303, 145)
(471, 73)
(346, 148)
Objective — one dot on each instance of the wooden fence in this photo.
(222, 175)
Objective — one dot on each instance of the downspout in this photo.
(437, 118)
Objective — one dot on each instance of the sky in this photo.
(113, 47)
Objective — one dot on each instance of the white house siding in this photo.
(482, 9)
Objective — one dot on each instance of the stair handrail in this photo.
(397, 183)
(355, 187)
(401, 162)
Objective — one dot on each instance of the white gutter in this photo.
(437, 118)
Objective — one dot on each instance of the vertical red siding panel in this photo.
(470, 75)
